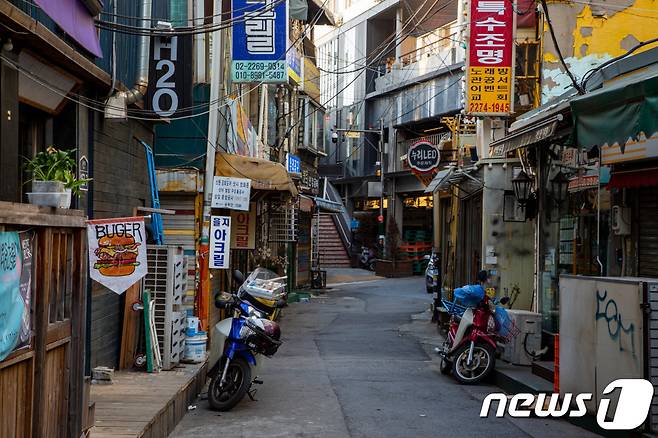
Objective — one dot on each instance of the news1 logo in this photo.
(633, 405)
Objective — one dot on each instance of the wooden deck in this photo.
(139, 404)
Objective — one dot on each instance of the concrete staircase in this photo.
(332, 250)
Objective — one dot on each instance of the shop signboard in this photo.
(220, 242)
(243, 234)
(423, 157)
(293, 163)
(310, 182)
(294, 65)
(489, 74)
(231, 193)
(170, 87)
(14, 284)
(259, 41)
(117, 252)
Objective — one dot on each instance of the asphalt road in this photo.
(352, 366)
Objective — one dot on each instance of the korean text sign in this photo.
(490, 58)
(220, 242)
(233, 193)
(260, 41)
(243, 235)
(117, 252)
(12, 303)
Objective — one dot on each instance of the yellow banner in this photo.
(489, 90)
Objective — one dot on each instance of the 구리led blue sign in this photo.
(260, 41)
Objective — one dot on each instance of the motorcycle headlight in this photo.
(245, 332)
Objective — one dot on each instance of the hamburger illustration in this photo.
(117, 255)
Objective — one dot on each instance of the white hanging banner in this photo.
(233, 193)
(117, 252)
(220, 242)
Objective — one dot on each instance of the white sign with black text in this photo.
(220, 242)
(232, 193)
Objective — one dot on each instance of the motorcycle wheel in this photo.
(238, 379)
(445, 367)
(482, 366)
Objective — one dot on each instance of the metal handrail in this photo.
(343, 218)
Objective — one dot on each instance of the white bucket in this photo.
(192, 326)
(195, 348)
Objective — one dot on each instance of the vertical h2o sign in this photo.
(166, 69)
(170, 75)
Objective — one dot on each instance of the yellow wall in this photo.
(589, 33)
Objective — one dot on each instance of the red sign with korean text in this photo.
(489, 82)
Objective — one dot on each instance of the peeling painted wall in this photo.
(590, 32)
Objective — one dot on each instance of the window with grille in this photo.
(527, 93)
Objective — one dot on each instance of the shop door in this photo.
(648, 241)
(470, 256)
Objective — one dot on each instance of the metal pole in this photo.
(213, 121)
(381, 178)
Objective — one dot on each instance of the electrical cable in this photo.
(588, 74)
(575, 83)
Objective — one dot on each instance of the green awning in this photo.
(621, 109)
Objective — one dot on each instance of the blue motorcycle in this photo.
(236, 348)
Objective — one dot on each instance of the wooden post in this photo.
(42, 289)
(78, 319)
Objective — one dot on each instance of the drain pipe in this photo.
(116, 106)
(139, 89)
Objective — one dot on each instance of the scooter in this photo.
(237, 347)
(368, 258)
(470, 347)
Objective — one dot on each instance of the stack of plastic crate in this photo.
(418, 244)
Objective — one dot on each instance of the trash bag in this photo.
(469, 296)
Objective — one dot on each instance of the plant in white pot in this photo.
(53, 178)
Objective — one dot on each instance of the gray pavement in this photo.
(357, 362)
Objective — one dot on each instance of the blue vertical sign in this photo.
(260, 41)
(293, 164)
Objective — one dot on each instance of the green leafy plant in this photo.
(56, 165)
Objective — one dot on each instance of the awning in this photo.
(438, 179)
(308, 10)
(75, 19)
(264, 174)
(328, 205)
(524, 137)
(630, 180)
(618, 111)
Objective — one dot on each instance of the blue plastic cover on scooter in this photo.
(470, 295)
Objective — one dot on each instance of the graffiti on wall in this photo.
(607, 309)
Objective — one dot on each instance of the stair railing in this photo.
(342, 219)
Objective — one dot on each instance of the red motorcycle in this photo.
(470, 347)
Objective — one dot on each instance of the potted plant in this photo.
(392, 265)
(53, 178)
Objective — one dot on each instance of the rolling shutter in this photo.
(648, 240)
(180, 230)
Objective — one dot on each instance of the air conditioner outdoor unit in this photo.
(167, 280)
(529, 325)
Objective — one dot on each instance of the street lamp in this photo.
(521, 183)
(559, 186)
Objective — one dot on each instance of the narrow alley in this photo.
(351, 366)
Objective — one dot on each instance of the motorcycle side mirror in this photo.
(238, 276)
(504, 300)
(427, 257)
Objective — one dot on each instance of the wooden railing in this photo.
(46, 377)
